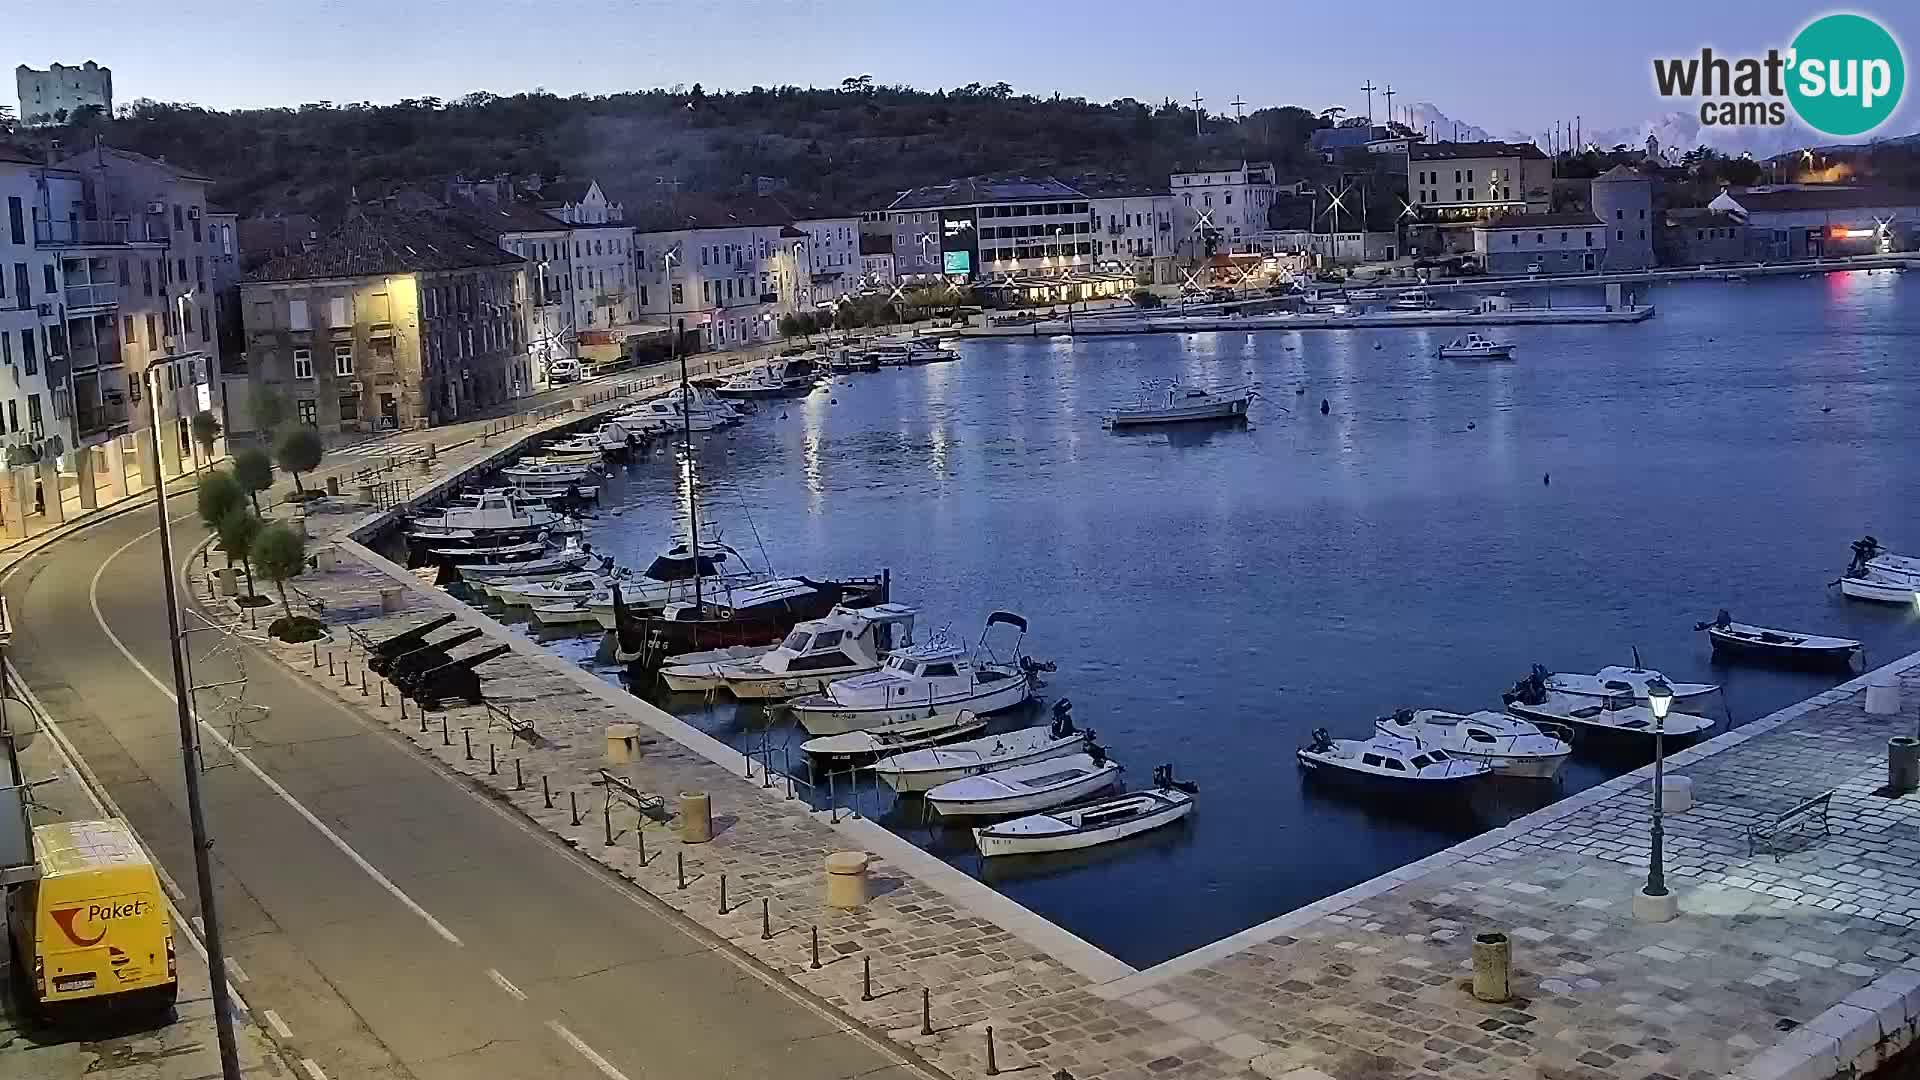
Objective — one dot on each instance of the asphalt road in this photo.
(397, 924)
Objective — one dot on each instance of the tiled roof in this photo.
(1621, 172)
(561, 192)
(695, 210)
(372, 242)
(14, 155)
(975, 190)
(1832, 198)
(85, 158)
(494, 220)
(1699, 216)
(1342, 138)
(1575, 219)
(1449, 151)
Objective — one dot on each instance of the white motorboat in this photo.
(530, 473)
(1786, 647)
(1619, 713)
(779, 378)
(491, 515)
(923, 770)
(1613, 679)
(1389, 761)
(668, 579)
(845, 642)
(1878, 574)
(609, 437)
(1092, 824)
(544, 561)
(1023, 789)
(1175, 404)
(1512, 746)
(1413, 300)
(1475, 347)
(551, 590)
(941, 676)
(697, 672)
(665, 414)
(897, 739)
(1880, 588)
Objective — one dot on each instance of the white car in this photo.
(563, 371)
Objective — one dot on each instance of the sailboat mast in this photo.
(693, 496)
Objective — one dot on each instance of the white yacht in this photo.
(697, 672)
(1413, 300)
(1389, 762)
(1512, 746)
(549, 473)
(669, 577)
(941, 677)
(779, 378)
(667, 415)
(894, 353)
(846, 642)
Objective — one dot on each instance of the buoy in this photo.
(1376, 344)
(1469, 425)
(1323, 406)
(783, 416)
(1546, 478)
(1827, 408)
(1300, 392)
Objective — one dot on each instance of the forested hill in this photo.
(845, 149)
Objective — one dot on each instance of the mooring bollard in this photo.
(816, 949)
(866, 978)
(329, 664)
(1903, 764)
(363, 680)
(446, 739)
(316, 654)
(1492, 960)
(993, 1067)
(723, 894)
(766, 920)
(403, 714)
(573, 807)
(383, 693)
(546, 792)
(926, 1011)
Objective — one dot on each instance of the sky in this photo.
(1510, 68)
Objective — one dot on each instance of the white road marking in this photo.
(235, 972)
(312, 1069)
(209, 731)
(278, 1025)
(505, 984)
(586, 1051)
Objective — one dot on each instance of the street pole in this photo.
(1656, 862)
(196, 817)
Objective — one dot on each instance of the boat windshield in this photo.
(904, 665)
(796, 641)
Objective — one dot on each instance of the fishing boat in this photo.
(845, 360)
(488, 520)
(1475, 347)
(543, 560)
(668, 578)
(1023, 789)
(922, 770)
(845, 642)
(897, 739)
(1512, 746)
(1091, 824)
(1610, 681)
(610, 437)
(530, 473)
(940, 676)
(1611, 716)
(1784, 647)
(667, 413)
(1175, 404)
(1879, 575)
(1389, 762)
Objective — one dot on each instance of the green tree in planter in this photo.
(206, 428)
(216, 495)
(280, 555)
(238, 531)
(253, 468)
(299, 451)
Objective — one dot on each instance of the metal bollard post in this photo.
(816, 949)
(606, 815)
(546, 793)
(383, 693)
(993, 1067)
(866, 978)
(363, 680)
(403, 714)
(346, 672)
(723, 894)
(640, 834)
(493, 765)
(573, 807)
(926, 1011)
(316, 654)
(519, 781)
(766, 921)
(466, 736)
(680, 868)
(329, 664)
(445, 738)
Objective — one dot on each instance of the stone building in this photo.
(1622, 198)
(53, 96)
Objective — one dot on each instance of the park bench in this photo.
(619, 787)
(517, 727)
(1805, 815)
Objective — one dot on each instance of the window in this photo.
(343, 358)
(126, 276)
(337, 313)
(308, 412)
(1394, 764)
(679, 294)
(146, 277)
(1589, 237)
(28, 357)
(1370, 759)
(187, 314)
(179, 218)
(49, 286)
(206, 327)
(199, 270)
(6, 349)
(153, 332)
(303, 363)
(1619, 234)
(1516, 239)
(16, 221)
(349, 406)
(196, 228)
(33, 415)
(1419, 761)
(297, 315)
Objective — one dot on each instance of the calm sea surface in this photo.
(1211, 597)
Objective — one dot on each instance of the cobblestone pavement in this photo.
(1371, 983)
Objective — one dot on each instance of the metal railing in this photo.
(107, 416)
(97, 294)
(84, 233)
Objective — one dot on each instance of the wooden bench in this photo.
(619, 787)
(1805, 815)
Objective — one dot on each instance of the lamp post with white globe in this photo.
(1654, 902)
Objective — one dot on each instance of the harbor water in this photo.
(1211, 596)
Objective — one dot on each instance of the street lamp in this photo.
(1654, 903)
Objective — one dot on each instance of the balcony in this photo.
(99, 294)
(144, 230)
(104, 418)
(88, 357)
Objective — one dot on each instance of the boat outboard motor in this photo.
(1062, 719)
(1097, 752)
(1531, 690)
(1865, 550)
(1163, 781)
(1322, 741)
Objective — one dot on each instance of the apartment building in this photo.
(1466, 182)
(981, 227)
(1541, 244)
(833, 255)
(1221, 207)
(1134, 232)
(391, 320)
(726, 270)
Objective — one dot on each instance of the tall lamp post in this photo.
(1654, 902)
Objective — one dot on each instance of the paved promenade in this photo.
(1800, 965)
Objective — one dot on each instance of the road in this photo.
(396, 924)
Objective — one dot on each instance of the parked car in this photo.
(563, 371)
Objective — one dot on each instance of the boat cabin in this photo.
(939, 669)
(1393, 763)
(845, 638)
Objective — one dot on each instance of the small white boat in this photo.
(1475, 347)
(1747, 641)
(489, 515)
(894, 740)
(536, 473)
(667, 415)
(923, 770)
(1092, 824)
(1615, 679)
(847, 641)
(1413, 300)
(1024, 789)
(788, 375)
(1175, 404)
(695, 672)
(668, 579)
(1389, 762)
(558, 563)
(1617, 714)
(1880, 589)
(1878, 574)
(941, 676)
(1512, 746)
(548, 590)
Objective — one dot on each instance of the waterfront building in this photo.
(1539, 244)
(1134, 233)
(1811, 221)
(57, 94)
(876, 262)
(1697, 236)
(1465, 182)
(1622, 198)
(727, 269)
(833, 254)
(551, 315)
(1220, 208)
(986, 228)
(391, 320)
(1331, 142)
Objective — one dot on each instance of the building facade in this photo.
(1622, 198)
(390, 321)
(725, 271)
(985, 228)
(1134, 232)
(579, 202)
(833, 256)
(1465, 182)
(1812, 221)
(55, 95)
(1539, 244)
(1696, 236)
(1222, 208)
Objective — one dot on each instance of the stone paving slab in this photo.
(1803, 963)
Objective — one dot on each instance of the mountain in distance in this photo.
(1678, 133)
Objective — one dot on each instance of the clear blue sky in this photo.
(1553, 61)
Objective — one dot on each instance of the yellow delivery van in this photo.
(94, 927)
